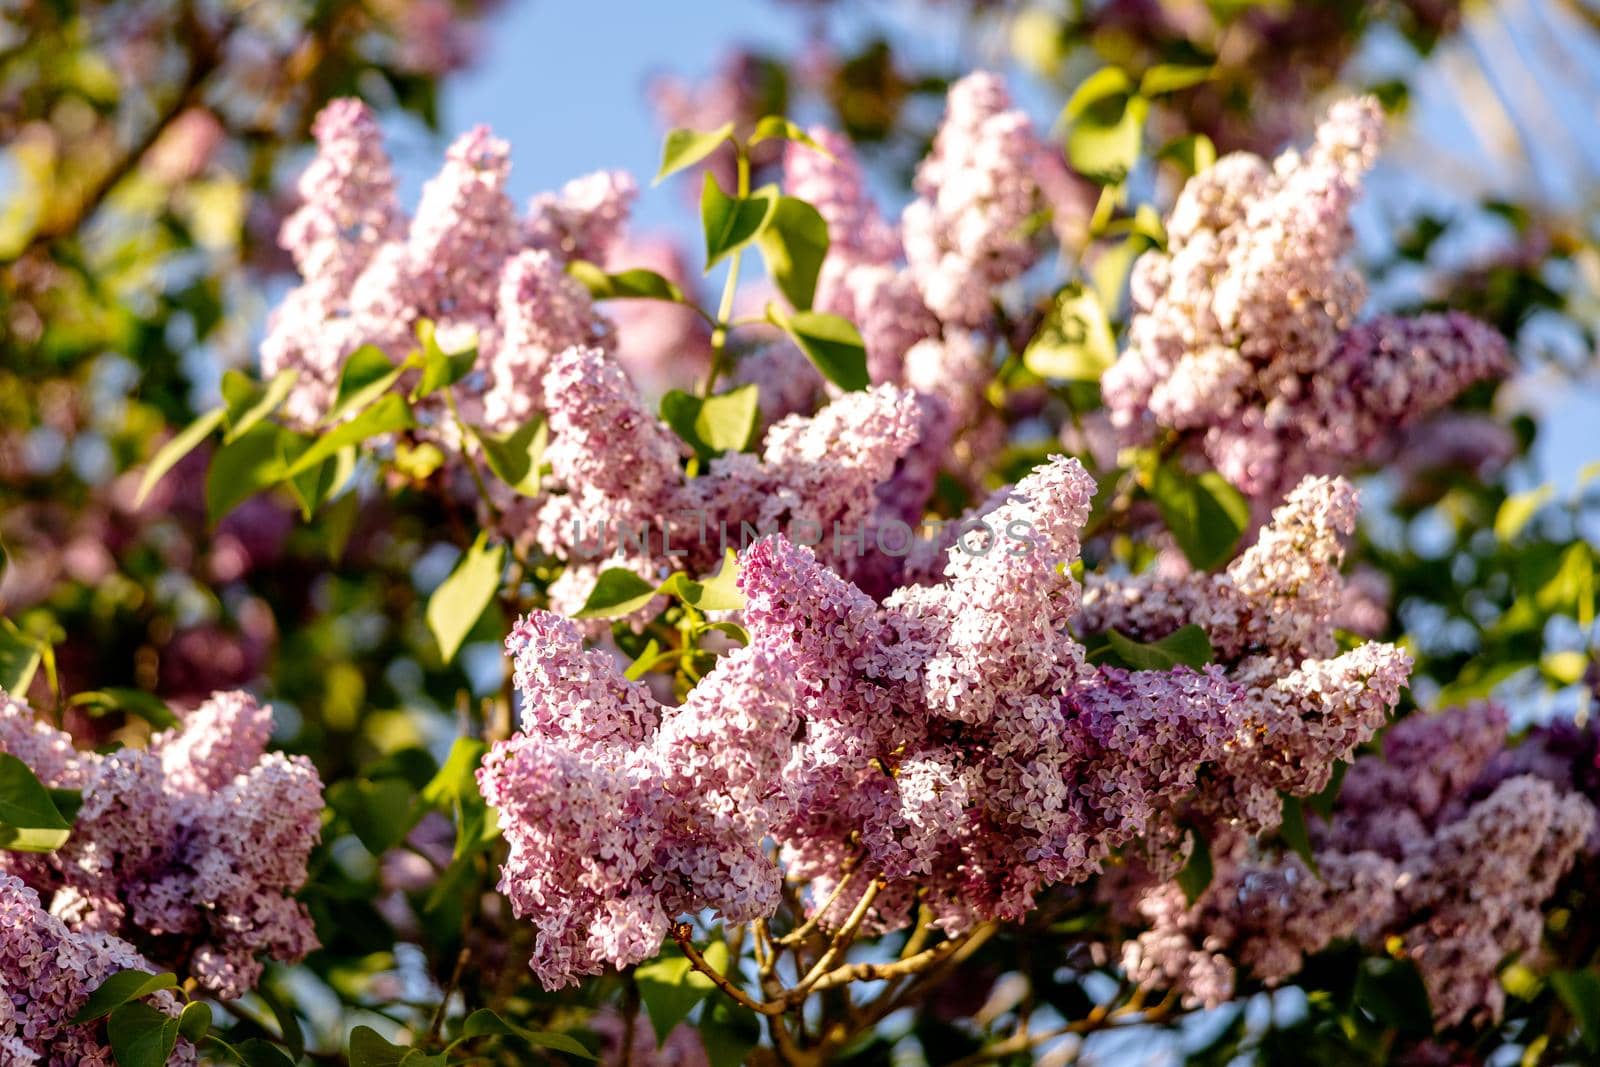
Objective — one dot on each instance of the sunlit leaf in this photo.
(461, 599)
(794, 244)
(832, 344)
(1074, 342)
(617, 592)
(635, 284)
(731, 222)
(178, 446)
(685, 148)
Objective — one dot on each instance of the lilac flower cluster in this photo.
(922, 293)
(980, 191)
(621, 814)
(1244, 335)
(949, 746)
(614, 465)
(1433, 850)
(1270, 617)
(467, 261)
(192, 847)
(47, 971)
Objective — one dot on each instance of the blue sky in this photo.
(563, 81)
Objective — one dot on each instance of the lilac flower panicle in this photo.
(467, 261)
(1244, 335)
(203, 835)
(622, 815)
(47, 973)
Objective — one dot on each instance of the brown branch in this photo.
(683, 934)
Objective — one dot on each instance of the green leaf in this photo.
(1105, 83)
(1194, 153)
(121, 988)
(147, 706)
(485, 1023)
(1106, 138)
(1206, 515)
(635, 284)
(685, 148)
(29, 820)
(461, 599)
(720, 593)
(517, 457)
(311, 487)
(258, 1053)
(389, 415)
(366, 375)
(1580, 992)
(141, 1036)
(831, 343)
(368, 1048)
(1293, 830)
(178, 446)
(1518, 510)
(793, 245)
(778, 128)
(1392, 992)
(379, 812)
(1187, 646)
(729, 1032)
(195, 1021)
(243, 468)
(1074, 342)
(20, 656)
(440, 369)
(617, 592)
(1172, 77)
(671, 987)
(1197, 873)
(731, 222)
(454, 791)
(726, 422)
(248, 402)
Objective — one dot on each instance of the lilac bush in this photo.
(965, 632)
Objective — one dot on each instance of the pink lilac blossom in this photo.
(467, 261)
(1270, 617)
(979, 191)
(47, 972)
(621, 814)
(1428, 853)
(618, 471)
(953, 738)
(951, 744)
(203, 835)
(1244, 335)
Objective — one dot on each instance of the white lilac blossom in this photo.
(1244, 335)
(467, 261)
(194, 845)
